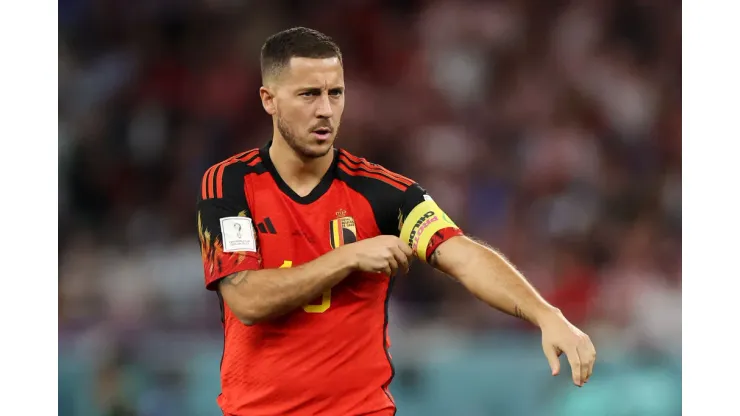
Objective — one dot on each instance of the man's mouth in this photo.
(322, 132)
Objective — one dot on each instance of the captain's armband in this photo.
(424, 222)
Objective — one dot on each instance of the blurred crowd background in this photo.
(550, 129)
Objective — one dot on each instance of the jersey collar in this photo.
(315, 193)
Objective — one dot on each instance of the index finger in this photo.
(403, 261)
(588, 352)
(405, 248)
(575, 366)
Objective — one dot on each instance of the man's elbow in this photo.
(247, 312)
(249, 316)
(246, 317)
(247, 321)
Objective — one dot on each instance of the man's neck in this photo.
(301, 174)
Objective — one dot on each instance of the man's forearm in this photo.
(257, 295)
(491, 278)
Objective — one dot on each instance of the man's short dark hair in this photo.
(297, 42)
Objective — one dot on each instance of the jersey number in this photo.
(325, 296)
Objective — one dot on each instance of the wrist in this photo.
(348, 258)
(544, 313)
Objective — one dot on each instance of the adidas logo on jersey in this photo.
(266, 227)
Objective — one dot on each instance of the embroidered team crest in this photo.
(342, 231)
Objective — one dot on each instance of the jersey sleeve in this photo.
(228, 241)
(422, 224)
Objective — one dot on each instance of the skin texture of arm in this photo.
(257, 295)
(492, 279)
(254, 296)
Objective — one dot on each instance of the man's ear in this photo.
(268, 99)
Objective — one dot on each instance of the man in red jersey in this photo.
(301, 242)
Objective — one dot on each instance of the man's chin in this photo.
(317, 148)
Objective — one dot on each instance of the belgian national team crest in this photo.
(342, 231)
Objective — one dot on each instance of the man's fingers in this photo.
(585, 364)
(405, 248)
(587, 352)
(575, 366)
(392, 263)
(551, 353)
(403, 261)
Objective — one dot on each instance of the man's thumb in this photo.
(552, 358)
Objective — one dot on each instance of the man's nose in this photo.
(323, 108)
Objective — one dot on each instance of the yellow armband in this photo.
(421, 224)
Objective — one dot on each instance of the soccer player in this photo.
(301, 241)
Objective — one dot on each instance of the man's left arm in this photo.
(490, 277)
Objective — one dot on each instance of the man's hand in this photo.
(560, 336)
(384, 253)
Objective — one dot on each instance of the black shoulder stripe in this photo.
(385, 199)
(376, 175)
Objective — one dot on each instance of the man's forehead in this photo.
(319, 72)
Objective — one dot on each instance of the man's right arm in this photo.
(232, 262)
(231, 255)
(257, 295)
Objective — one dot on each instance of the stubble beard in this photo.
(302, 149)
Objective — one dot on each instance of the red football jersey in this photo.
(331, 356)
